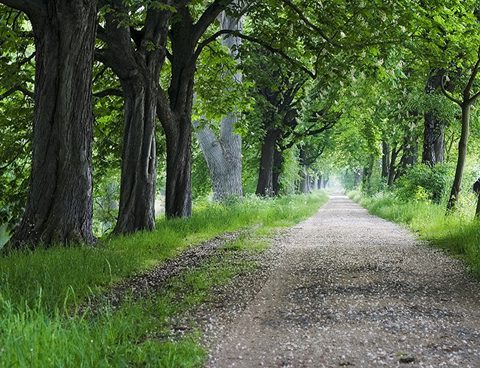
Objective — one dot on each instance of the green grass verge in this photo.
(38, 288)
(458, 233)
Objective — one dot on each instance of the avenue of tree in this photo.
(183, 98)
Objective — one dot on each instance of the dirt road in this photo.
(353, 290)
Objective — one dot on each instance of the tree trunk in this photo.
(367, 178)
(434, 128)
(175, 113)
(277, 171)
(224, 159)
(392, 169)
(433, 140)
(409, 156)
(137, 189)
(59, 207)
(265, 176)
(462, 155)
(385, 159)
(357, 177)
(224, 154)
(477, 209)
(179, 170)
(137, 65)
(304, 181)
(326, 180)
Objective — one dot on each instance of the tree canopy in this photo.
(135, 107)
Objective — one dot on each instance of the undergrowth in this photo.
(458, 232)
(39, 288)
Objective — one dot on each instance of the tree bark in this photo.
(277, 171)
(367, 177)
(393, 167)
(59, 206)
(137, 188)
(409, 156)
(223, 154)
(462, 155)
(304, 180)
(176, 119)
(137, 65)
(385, 159)
(434, 129)
(179, 170)
(433, 140)
(265, 175)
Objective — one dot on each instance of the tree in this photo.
(223, 153)
(456, 51)
(434, 126)
(174, 108)
(467, 100)
(137, 57)
(59, 205)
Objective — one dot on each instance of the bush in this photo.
(423, 183)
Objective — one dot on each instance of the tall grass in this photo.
(458, 232)
(37, 288)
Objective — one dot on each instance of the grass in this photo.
(458, 233)
(38, 288)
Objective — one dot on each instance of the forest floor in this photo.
(345, 288)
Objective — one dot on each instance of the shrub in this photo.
(422, 182)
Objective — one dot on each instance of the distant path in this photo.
(354, 290)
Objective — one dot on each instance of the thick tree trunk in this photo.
(224, 159)
(223, 154)
(462, 155)
(367, 178)
(59, 207)
(179, 170)
(304, 186)
(137, 65)
(392, 172)
(439, 145)
(137, 189)
(277, 171)
(433, 140)
(409, 157)
(175, 113)
(265, 175)
(385, 159)
(434, 128)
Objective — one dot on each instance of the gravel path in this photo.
(350, 289)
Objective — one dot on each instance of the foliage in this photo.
(422, 183)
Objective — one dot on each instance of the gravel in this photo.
(346, 289)
(154, 280)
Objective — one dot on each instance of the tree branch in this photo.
(469, 86)
(447, 94)
(17, 88)
(208, 17)
(265, 45)
(30, 7)
(315, 28)
(109, 92)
